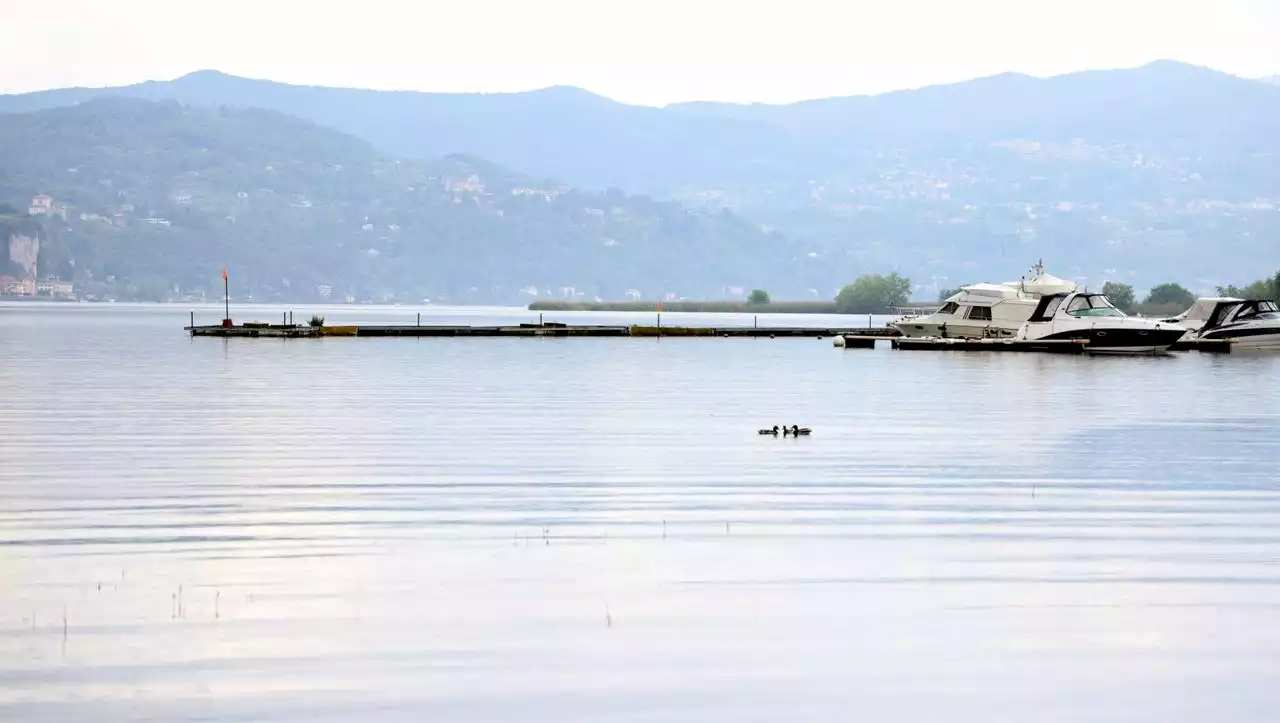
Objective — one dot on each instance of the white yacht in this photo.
(987, 310)
(1080, 315)
(1250, 323)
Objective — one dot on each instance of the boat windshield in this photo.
(1261, 310)
(1092, 306)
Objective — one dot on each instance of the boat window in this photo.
(1052, 307)
(1092, 306)
(1260, 310)
(1219, 315)
(949, 308)
(979, 313)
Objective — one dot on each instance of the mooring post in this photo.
(419, 318)
(193, 320)
(291, 317)
(755, 322)
(284, 318)
(540, 320)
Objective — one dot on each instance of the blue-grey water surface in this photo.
(591, 530)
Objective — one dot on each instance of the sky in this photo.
(652, 52)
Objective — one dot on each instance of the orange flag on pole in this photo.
(224, 273)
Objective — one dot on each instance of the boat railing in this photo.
(911, 312)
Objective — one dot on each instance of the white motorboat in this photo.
(1090, 317)
(981, 311)
(1249, 323)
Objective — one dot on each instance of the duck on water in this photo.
(794, 430)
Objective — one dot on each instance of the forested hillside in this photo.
(157, 194)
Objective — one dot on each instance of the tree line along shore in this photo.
(702, 307)
(876, 294)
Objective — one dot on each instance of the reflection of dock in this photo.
(299, 331)
(1066, 346)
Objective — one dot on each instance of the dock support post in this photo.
(419, 319)
(539, 319)
(284, 318)
(193, 322)
(291, 317)
(755, 322)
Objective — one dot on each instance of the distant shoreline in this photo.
(27, 298)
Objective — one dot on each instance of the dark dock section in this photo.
(1217, 346)
(1066, 346)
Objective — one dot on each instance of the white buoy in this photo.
(838, 341)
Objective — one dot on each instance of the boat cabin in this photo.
(1076, 304)
(1199, 313)
(1237, 311)
(975, 301)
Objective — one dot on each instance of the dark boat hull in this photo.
(1122, 340)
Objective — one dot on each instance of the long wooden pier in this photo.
(550, 329)
(848, 338)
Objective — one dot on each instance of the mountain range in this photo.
(1167, 171)
(162, 194)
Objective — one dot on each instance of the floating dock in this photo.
(550, 329)
(1065, 346)
(1217, 346)
(847, 338)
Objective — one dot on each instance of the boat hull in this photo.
(917, 329)
(1258, 338)
(1122, 340)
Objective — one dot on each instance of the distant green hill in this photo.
(160, 194)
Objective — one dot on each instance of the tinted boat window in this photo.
(979, 313)
(949, 308)
(1261, 310)
(1092, 306)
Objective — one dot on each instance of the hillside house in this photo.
(10, 286)
(42, 205)
(55, 287)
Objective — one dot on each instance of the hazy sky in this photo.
(653, 52)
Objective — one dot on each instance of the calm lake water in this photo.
(591, 530)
